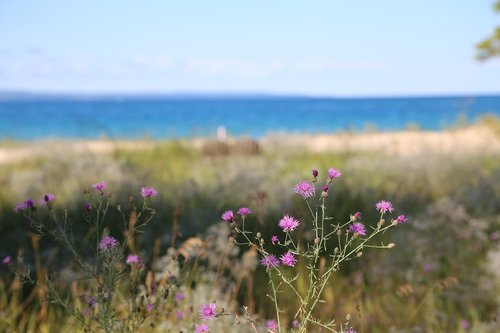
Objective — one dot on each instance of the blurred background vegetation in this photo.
(442, 276)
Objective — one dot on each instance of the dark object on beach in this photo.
(222, 148)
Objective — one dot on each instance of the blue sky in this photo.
(332, 47)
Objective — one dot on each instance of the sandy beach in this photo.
(469, 140)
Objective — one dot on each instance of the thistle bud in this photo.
(390, 245)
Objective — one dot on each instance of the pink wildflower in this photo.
(244, 211)
(101, 186)
(288, 223)
(384, 206)
(149, 307)
(29, 203)
(357, 216)
(333, 173)
(180, 297)
(202, 328)
(270, 261)
(288, 259)
(315, 173)
(228, 216)
(304, 189)
(148, 192)
(357, 229)
(272, 325)
(20, 207)
(7, 260)
(207, 311)
(275, 240)
(47, 198)
(108, 243)
(133, 259)
(401, 219)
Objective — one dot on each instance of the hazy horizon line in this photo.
(34, 94)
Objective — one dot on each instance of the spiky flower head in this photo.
(288, 259)
(207, 311)
(108, 243)
(101, 186)
(384, 206)
(272, 325)
(275, 240)
(148, 192)
(288, 223)
(270, 261)
(201, 328)
(47, 198)
(228, 216)
(357, 229)
(244, 211)
(333, 173)
(401, 219)
(304, 189)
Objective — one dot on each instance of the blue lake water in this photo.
(172, 117)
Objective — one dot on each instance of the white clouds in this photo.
(40, 65)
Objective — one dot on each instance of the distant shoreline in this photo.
(13, 96)
(475, 139)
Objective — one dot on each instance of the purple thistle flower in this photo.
(401, 219)
(133, 259)
(180, 297)
(384, 206)
(148, 192)
(272, 325)
(20, 207)
(91, 301)
(288, 223)
(275, 240)
(270, 261)
(315, 173)
(201, 328)
(228, 216)
(304, 189)
(207, 311)
(101, 186)
(47, 198)
(108, 243)
(357, 229)
(325, 188)
(333, 173)
(357, 216)
(464, 324)
(7, 260)
(87, 207)
(179, 314)
(149, 307)
(244, 211)
(295, 323)
(288, 259)
(29, 203)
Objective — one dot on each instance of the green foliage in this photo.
(490, 47)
